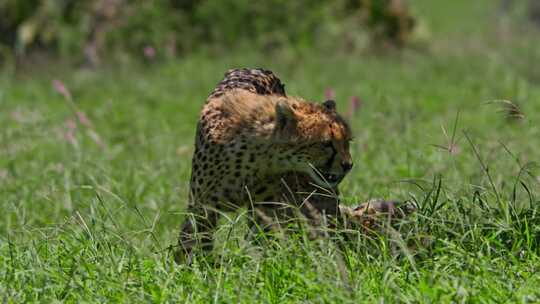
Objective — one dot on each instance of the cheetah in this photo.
(256, 147)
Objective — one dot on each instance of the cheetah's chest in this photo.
(234, 172)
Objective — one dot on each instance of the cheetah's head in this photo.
(313, 139)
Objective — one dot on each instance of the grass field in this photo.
(92, 192)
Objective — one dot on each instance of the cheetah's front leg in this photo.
(197, 231)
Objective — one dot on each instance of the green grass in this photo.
(87, 222)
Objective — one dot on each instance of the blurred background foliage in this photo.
(91, 30)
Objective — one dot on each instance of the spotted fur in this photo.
(256, 147)
(257, 81)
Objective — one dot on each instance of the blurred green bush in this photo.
(100, 28)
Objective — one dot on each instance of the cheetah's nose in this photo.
(347, 166)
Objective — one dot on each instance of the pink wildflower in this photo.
(329, 94)
(355, 104)
(149, 52)
(71, 124)
(83, 119)
(61, 88)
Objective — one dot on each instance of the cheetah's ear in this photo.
(330, 105)
(285, 117)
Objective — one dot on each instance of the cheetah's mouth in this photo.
(325, 179)
(332, 178)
